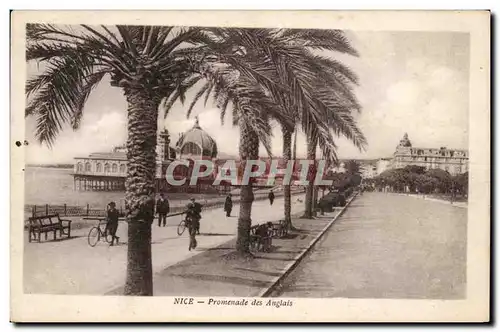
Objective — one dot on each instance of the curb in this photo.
(290, 267)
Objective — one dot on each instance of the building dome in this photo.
(196, 143)
(405, 142)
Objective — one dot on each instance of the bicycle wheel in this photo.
(181, 228)
(94, 236)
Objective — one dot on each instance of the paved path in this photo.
(216, 273)
(73, 267)
(387, 246)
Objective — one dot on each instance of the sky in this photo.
(410, 82)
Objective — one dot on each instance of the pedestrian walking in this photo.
(271, 197)
(162, 208)
(193, 216)
(228, 205)
(112, 222)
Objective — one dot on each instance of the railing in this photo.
(87, 211)
(64, 210)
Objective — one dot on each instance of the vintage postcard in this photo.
(232, 166)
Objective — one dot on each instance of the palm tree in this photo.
(319, 90)
(324, 91)
(305, 86)
(242, 88)
(149, 63)
(291, 81)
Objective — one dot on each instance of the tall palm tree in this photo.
(242, 88)
(285, 70)
(322, 93)
(279, 66)
(149, 63)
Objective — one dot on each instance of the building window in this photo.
(115, 168)
(88, 167)
(106, 168)
(191, 148)
(98, 168)
(122, 168)
(80, 167)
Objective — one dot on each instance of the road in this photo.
(387, 246)
(73, 267)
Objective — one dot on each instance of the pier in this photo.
(98, 183)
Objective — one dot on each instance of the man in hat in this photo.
(162, 208)
(271, 197)
(193, 216)
(112, 222)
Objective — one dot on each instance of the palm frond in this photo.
(333, 40)
(332, 67)
(127, 38)
(167, 47)
(59, 94)
(179, 93)
(90, 83)
(197, 97)
(44, 32)
(46, 51)
(343, 124)
(163, 34)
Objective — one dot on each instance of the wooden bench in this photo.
(49, 223)
(260, 237)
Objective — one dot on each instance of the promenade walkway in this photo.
(213, 274)
(73, 267)
(387, 246)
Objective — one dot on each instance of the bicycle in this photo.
(183, 225)
(96, 233)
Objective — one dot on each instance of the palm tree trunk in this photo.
(294, 155)
(139, 197)
(249, 150)
(287, 155)
(315, 200)
(311, 155)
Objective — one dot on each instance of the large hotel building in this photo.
(453, 161)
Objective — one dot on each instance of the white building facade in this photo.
(454, 161)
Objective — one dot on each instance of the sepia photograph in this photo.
(276, 166)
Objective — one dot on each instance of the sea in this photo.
(54, 186)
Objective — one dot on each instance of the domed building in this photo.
(196, 144)
(107, 171)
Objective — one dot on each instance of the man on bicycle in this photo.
(193, 216)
